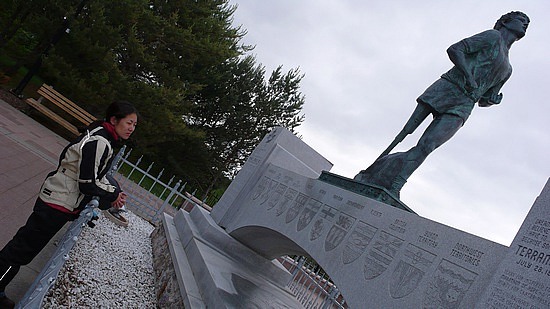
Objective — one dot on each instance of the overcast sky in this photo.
(366, 62)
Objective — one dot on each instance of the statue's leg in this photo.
(392, 171)
(442, 128)
(418, 116)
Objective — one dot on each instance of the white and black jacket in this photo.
(81, 172)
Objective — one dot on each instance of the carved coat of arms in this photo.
(276, 196)
(326, 216)
(381, 254)
(409, 271)
(261, 187)
(338, 231)
(309, 212)
(448, 286)
(296, 208)
(266, 190)
(358, 241)
(288, 197)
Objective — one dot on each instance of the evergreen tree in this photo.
(205, 105)
(151, 53)
(238, 107)
(27, 28)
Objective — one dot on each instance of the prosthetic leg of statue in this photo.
(392, 171)
(384, 171)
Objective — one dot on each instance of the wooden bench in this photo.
(68, 106)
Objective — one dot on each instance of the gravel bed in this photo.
(109, 267)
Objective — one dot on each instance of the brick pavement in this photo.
(28, 151)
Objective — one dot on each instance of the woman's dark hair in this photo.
(117, 109)
(120, 109)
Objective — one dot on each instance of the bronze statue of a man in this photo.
(481, 67)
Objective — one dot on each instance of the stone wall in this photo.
(167, 288)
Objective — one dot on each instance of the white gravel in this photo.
(109, 267)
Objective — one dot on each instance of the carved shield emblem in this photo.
(261, 187)
(381, 254)
(358, 241)
(276, 196)
(267, 193)
(312, 207)
(448, 286)
(338, 231)
(288, 197)
(296, 208)
(326, 216)
(410, 270)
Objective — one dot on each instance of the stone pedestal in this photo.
(369, 190)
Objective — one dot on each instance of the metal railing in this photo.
(34, 296)
(311, 285)
(47, 277)
(148, 195)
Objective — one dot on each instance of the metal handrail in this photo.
(47, 277)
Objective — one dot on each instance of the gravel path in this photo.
(109, 267)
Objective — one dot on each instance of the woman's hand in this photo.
(120, 200)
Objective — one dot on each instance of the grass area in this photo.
(145, 182)
(158, 189)
(149, 184)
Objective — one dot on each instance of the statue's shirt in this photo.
(487, 59)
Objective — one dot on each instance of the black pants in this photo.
(43, 223)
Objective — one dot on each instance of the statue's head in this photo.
(514, 15)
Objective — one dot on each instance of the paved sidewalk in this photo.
(28, 151)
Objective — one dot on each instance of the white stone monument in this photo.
(378, 255)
